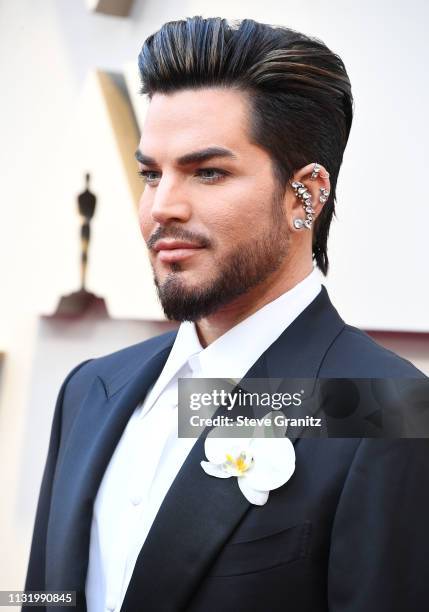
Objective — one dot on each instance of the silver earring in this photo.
(316, 170)
(324, 194)
(304, 195)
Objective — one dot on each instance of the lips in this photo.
(170, 251)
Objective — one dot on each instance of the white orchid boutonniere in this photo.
(260, 464)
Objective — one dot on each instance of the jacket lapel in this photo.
(91, 442)
(199, 513)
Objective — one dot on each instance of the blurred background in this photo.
(70, 106)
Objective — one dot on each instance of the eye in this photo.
(211, 175)
(149, 176)
(208, 175)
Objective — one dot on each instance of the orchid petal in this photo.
(258, 498)
(214, 470)
(274, 463)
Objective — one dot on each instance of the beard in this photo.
(246, 266)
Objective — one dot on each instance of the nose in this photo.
(170, 202)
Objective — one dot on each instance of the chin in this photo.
(178, 270)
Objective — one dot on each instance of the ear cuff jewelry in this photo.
(303, 194)
(316, 171)
(324, 195)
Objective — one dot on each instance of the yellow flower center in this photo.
(240, 464)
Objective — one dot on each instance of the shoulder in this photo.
(354, 353)
(128, 358)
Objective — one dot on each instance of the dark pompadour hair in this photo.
(300, 93)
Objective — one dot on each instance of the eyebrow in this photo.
(189, 158)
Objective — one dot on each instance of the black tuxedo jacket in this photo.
(349, 532)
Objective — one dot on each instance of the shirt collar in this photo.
(232, 354)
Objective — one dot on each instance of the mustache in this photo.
(177, 233)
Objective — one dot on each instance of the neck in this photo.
(212, 327)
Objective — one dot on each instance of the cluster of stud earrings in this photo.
(303, 194)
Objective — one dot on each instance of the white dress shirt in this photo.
(149, 453)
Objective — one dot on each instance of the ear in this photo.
(295, 205)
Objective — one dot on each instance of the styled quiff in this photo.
(299, 91)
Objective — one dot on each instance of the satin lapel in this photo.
(89, 447)
(300, 350)
(199, 512)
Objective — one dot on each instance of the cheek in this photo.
(145, 219)
(234, 217)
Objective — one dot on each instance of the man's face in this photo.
(224, 201)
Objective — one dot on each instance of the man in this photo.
(240, 155)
